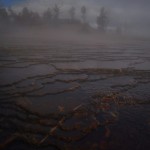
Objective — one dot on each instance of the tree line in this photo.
(51, 17)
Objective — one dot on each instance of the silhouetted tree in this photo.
(85, 26)
(56, 11)
(47, 16)
(72, 13)
(102, 20)
(4, 19)
(25, 12)
(35, 18)
(3, 14)
(25, 16)
(83, 13)
(12, 16)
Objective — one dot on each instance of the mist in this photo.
(134, 14)
(125, 18)
(74, 74)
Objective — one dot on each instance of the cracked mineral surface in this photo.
(75, 96)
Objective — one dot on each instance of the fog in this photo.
(74, 71)
(119, 18)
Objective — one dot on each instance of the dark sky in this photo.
(123, 3)
(10, 2)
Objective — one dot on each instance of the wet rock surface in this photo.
(75, 96)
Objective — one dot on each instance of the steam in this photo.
(134, 14)
(130, 15)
